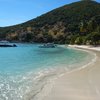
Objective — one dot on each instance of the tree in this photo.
(79, 40)
(83, 27)
(93, 38)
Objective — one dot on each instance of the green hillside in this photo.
(75, 23)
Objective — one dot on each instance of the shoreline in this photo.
(85, 47)
(61, 87)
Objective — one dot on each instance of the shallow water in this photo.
(25, 69)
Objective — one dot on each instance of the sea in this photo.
(25, 69)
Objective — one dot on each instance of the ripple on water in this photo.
(26, 69)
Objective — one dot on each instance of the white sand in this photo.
(82, 84)
(85, 47)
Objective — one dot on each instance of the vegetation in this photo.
(76, 23)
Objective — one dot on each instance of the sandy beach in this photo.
(83, 84)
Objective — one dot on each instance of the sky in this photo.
(18, 11)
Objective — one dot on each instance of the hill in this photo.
(78, 22)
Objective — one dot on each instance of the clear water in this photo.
(22, 69)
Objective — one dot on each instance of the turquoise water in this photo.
(22, 68)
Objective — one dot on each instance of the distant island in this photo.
(75, 23)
